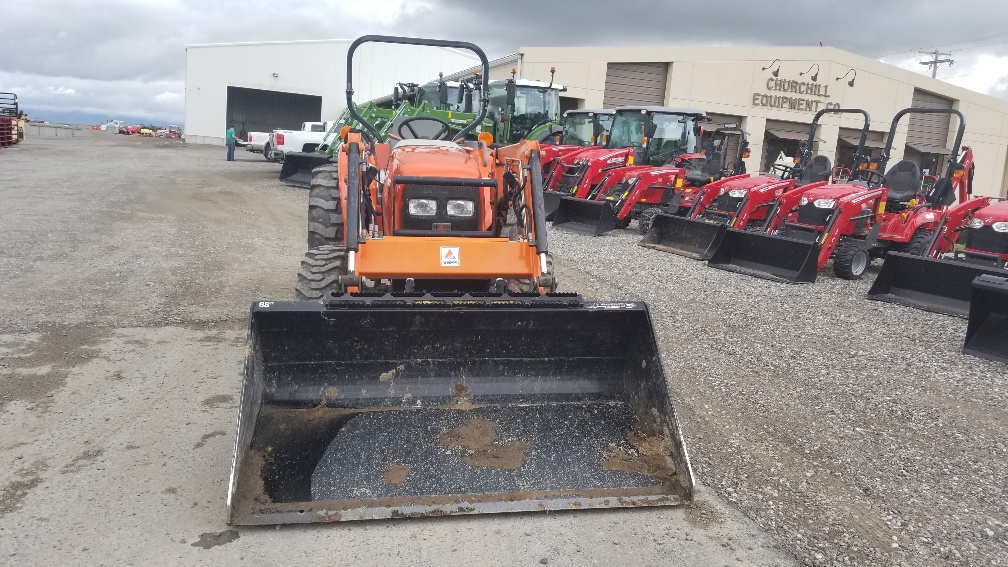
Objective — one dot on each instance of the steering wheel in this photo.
(868, 175)
(786, 171)
(443, 133)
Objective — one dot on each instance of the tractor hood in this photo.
(593, 154)
(837, 191)
(432, 158)
(993, 213)
(751, 183)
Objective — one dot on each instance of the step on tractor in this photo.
(521, 110)
(743, 203)
(940, 277)
(579, 129)
(436, 372)
(642, 139)
(850, 223)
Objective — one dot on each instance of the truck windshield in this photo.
(578, 129)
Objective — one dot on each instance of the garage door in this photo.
(731, 144)
(783, 137)
(635, 84)
(928, 133)
(255, 110)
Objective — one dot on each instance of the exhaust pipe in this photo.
(407, 405)
(584, 217)
(774, 258)
(987, 330)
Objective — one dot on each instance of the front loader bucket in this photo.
(775, 258)
(583, 216)
(938, 285)
(987, 330)
(297, 167)
(390, 406)
(693, 238)
(551, 200)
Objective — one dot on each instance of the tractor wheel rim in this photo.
(859, 263)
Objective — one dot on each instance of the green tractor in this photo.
(520, 109)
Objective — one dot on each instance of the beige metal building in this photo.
(776, 105)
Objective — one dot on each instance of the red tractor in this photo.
(850, 223)
(743, 203)
(641, 194)
(581, 129)
(578, 172)
(642, 138)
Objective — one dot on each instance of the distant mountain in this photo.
(72, 117)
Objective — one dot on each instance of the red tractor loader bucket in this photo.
(583, 216)
(551, 200)
(390, 406)
(297, 167)
(775, 258)
(693, 238)
(987, 331)
(937, 285)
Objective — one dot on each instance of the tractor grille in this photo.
(814, 216)
(571, 177)
(726, 203)
(441, 194)
(986, 239)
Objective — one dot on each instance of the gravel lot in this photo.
(824, 428)
(127, 267)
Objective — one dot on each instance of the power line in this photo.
(956, 44)
(936, 60)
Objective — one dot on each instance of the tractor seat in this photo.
(819, 169)
(711, 168)
(903, 181)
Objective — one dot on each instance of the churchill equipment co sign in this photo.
(802, 95)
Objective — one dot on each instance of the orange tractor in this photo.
(434, 371)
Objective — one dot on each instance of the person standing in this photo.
(230, 141)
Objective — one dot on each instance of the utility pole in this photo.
(936, 60)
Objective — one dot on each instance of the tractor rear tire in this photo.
(320, 272)
(325, 209)
(917, 243)
(851, 258)
(646, 216)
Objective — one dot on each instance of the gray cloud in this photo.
(127, 56)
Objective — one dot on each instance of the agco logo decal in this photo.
(450, 256)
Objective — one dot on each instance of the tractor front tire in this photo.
(851, 258)
(646, 216)
(917, 243)
(527, 286)
(622, 223)
(320, 271)
(325, 209)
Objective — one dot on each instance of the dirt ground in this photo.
(127, 267)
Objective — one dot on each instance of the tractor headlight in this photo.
(804, 200)
(824, 203)
(460, 208)
(976, 223)
(1000, 226)
(422, 207)
(737, 193)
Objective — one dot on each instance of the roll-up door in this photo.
(629, 84)
(928, 133)
(255, 110)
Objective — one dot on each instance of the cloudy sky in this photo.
(118, 58)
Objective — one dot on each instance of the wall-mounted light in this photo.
(275, 75)
(775, 72)
(814, 77)
(850, 83)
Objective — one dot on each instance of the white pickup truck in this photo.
(256, 142)
(306, 139)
